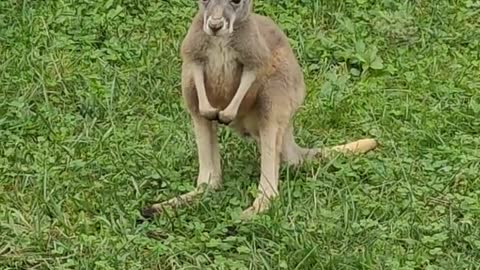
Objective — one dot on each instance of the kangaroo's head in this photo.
(220, 16)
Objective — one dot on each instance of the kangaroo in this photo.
(238, 69)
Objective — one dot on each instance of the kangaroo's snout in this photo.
(219, 17)
(216, 24)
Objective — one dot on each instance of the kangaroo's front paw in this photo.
(209, 113)
(226, 116)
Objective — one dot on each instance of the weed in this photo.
(92, 128)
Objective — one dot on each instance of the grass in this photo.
(92, 128)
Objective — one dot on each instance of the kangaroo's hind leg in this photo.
(273, 115)
(209, 176)
(205, 131)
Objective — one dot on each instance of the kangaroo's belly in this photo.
(221, 82)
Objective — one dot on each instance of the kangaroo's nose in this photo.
(216, 24)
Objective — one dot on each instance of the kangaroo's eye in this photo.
(236, 2)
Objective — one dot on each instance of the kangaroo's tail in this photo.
(293, 154)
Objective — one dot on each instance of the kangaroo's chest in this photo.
(222, 73)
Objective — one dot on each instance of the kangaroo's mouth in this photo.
(218, 26)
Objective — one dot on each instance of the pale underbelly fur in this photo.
(222, 74)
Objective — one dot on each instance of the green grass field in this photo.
(92, 128)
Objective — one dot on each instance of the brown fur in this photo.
(265, 112)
